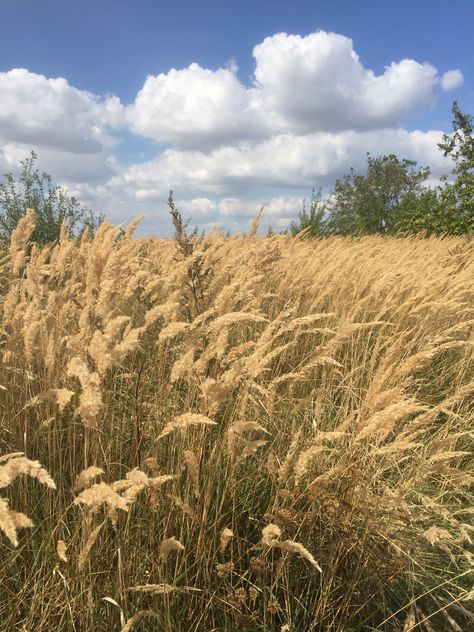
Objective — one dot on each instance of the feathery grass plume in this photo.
(298, 548)
(255, 223)
(300, 322)
(398, 446)
(168, 545)
(419, 424)
(78, 368)
(235, 440)
(172, 330)
(59, 396)
(213, 394)
(89, 543)
(154, 589)
(232, 318)
(284, 470)
(157, 481)
(133, 225)
(31, 332)
(166, 310)
(226, 536)
(101, 494)
(114, 328)
(61, 549)
(181, 422)
(85, 478)
(192, 466)
(435, 535)
(304, 459)
(410, 621)
(270, 533)
(128, 344)
(136, 618)
(135, 481)
(11, 520)
(270, 538)
(183, 366)
(15, 465)
(251, 446)
(90, 401)
(423, 359)
(382, 423)
(19, 239)
(10, 455)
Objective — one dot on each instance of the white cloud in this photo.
(68, 127)
(284, 161)
(195, 107)
(312, 111)
(318, 83)
(62, 165)
(452, 79)
(302, 85)
(237, 212)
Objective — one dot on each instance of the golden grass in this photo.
(246, 433)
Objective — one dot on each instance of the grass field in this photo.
(237, 434)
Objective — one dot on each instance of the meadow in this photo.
(236, 433)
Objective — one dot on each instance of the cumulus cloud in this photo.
(318, 82)
(62, 123)
(310, 112)
(195, 107)
(238, 212)
(284, 161)
(301, 85)
(452, 79)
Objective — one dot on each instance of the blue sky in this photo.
(230, 104)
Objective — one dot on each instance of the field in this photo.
(241, 433)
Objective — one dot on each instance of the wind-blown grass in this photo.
(249, 433)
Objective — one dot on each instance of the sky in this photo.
(233, 105)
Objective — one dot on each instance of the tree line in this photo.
(390, 198)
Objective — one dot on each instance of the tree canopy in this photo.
(51, 203)
(457, 198)
(392, 196)
(364, 204)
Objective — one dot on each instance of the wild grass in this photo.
(236, 433)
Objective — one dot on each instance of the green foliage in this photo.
(52, 205)
(311, 221)
(458, 198)
(418, 213)
(366, 204)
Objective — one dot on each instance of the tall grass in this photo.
(246, 433)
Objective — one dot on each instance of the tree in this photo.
(51, 203)
(458, 197)
(420, 213)
(365, 204)
(312, 221)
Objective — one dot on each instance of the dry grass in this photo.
(246, 433)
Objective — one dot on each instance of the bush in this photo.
(51, 203)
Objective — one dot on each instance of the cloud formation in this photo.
(310, 112)
(301, 85)
(66, 125)
(195, 107)
(318, 83)
(285, 161)
(452, 79)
